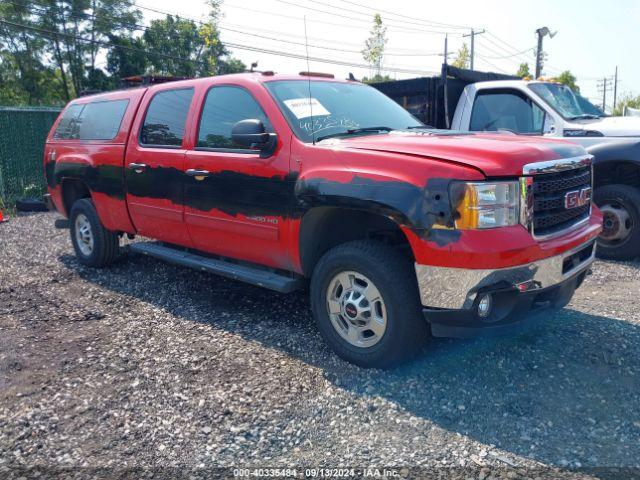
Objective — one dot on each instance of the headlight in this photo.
(485, 204)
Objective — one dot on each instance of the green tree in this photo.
(22, 63)
(373, 52)
(127, 57)
(463, 57)
(50, 50)
(231, 65)
(81, 27)
(173, 46)
(568, 79)
(523, 71)
(377, 79)
(180, 47)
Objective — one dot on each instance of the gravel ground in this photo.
(147, 365)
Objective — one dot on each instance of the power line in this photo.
(501, 70)
(425, 54)
(146, 27)
(428, 22)
(325, 60)
(232, 45)
(505, 57)
(411, 21)
(315, 21)
(324, 12)
(510, 48)
(97, 42)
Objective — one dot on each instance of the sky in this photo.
(593, 37)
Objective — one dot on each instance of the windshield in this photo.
(589, 107)
(564, 101)
(337, 108)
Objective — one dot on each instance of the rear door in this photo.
(154, 167)
(238, 208)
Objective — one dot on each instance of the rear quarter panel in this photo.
(99, 164)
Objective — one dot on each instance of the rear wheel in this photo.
(365, 302)
(620, 237)
(95, 246)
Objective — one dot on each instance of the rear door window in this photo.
(67, 128)
(101, 120)
(165, 119)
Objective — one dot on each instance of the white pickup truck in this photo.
(476, 101)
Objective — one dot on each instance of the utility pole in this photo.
(541, 32)
(604, 86)
(473, 36)
(615, 89)
(446, 49)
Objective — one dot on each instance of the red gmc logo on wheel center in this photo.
(577, 198)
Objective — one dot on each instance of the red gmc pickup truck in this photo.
(288, 180)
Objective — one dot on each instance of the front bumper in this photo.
(451, 295)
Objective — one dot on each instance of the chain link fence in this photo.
(23, 132)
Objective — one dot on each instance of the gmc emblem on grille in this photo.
(577, 198)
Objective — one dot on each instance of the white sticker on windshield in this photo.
(305, 107)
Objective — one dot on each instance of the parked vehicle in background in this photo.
(475, 101)
(631, 112)
(284, 180)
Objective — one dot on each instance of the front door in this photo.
(155, 168)
(236, 203)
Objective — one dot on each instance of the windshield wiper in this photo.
(585, 116)
(426, 127)
(355, 131)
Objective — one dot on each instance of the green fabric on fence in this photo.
(23, 132)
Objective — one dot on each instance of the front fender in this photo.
(626, 149)
(416, 207)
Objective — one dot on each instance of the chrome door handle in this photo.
(138, 167)
(198, 173)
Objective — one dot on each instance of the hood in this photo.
(494, 155)
(613, 126)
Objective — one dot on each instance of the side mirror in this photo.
(251, 133)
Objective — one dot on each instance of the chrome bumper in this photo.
(456, 288)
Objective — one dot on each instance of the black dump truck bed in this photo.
(433, 100)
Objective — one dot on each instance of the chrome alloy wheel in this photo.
(617, 224)
(356, 309)
(84, 234)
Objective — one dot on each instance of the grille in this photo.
(549, 189)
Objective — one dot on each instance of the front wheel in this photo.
(620, 237)
(95, 246)
(366, 305)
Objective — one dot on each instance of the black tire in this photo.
(106, 244)
(31, 205)
(627, 198)
(395, 278)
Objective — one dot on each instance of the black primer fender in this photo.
(407, 204)
(616, 162)
(624, 149)
(105, 179)
(426, 210)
